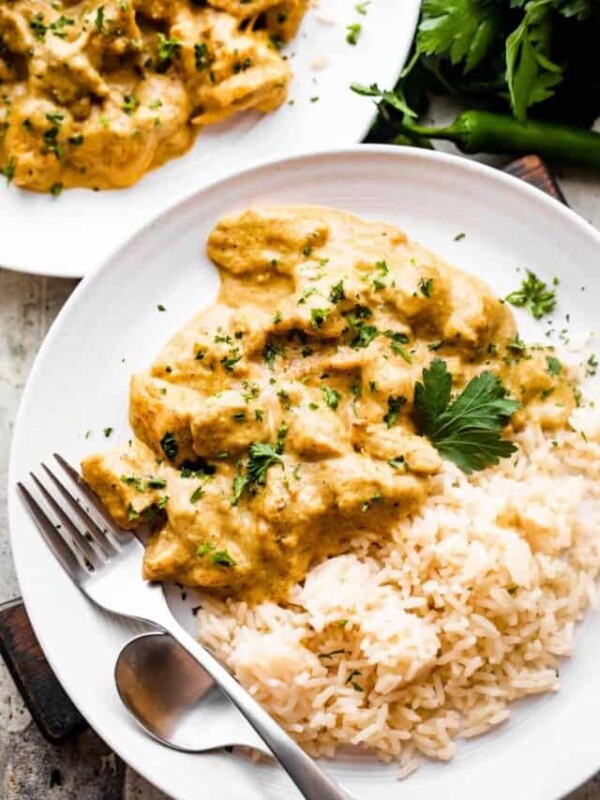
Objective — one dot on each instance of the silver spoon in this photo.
(174, 699)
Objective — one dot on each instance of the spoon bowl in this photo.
(175, 701)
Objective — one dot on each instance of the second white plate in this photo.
(70, 235)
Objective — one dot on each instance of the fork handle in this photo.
(310, 779)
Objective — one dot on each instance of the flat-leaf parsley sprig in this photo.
(466, 430)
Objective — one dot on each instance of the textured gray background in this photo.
(31, 769)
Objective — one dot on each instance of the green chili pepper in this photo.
(484, 132)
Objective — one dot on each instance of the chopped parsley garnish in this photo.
(9, 170)
(107, 432)
(201, 56)
(168, 50)
(467, 430)
(336, 293)
(58, 26)
(395, 403)
(399, 462)
(534, 295)
(361, 8)
(591, 366)
(38, 27)
(204, 549)
(363, 336)
(516, 345)
(553, 365)
(270, 353)
(99, 19)
(231, 360)
(397, 342)
(160, 307)
(169, 446)
(196, 494)
(132, 514)
(331, 396)
(142, 484)
(242, 66)
(459, 237)
(221, 558)
(261, 456)
(318, 317)
(353, 32)
(425, 286)
(130, 103)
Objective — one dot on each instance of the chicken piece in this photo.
(206, 543)
(120, 479)
(225, 423)
(361, 484)
(283, 19)
(61, 69)
(418, 288)
(256, 241)
(15, 35)
(476, 316)
(161, 415)
(316, 435)
(400, 445)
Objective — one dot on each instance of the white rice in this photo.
(470, 605)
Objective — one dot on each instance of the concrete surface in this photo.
(31, 769)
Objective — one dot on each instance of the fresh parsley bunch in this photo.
(534, 57)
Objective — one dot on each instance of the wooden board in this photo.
(55, 715)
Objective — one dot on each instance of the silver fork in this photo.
(104, 561)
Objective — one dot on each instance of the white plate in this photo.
(111, 326)
(70, 235)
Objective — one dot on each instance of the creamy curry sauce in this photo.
(322, 328)
(98, 92)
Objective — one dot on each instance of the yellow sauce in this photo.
(96, 93)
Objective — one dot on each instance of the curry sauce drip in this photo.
(279, 422)
(96, 93)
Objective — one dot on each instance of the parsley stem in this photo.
(484, 132)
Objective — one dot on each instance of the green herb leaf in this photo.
(318, 316)
(169, 446)
(221, 558)
(468, 430)
(196, 494)
(331, 396)
(535, 295)
(554, 367)
(336, 294)
(530, 75)
(463, 30)
(395, 404)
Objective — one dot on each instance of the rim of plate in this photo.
(364, 114)
(436, 158)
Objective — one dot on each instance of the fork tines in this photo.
(71, 521)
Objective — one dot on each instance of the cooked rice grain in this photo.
(468, 607)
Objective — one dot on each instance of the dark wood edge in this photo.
(533, 170)
(49, 705)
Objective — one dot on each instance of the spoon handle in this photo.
(302, 769)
